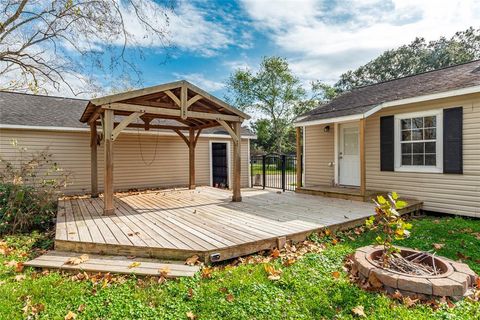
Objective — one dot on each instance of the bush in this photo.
(29, 186)
(22, 209)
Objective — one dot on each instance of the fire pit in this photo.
(427, 275)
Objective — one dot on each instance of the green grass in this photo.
(306, 289)
(269, 169)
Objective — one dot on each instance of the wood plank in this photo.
(72, 231)
(96, 235)
(83, 232)
(93, 160)
(108, 162)
(61, 226)
(237, 164)
(107, 264)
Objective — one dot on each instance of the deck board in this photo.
(179, 223)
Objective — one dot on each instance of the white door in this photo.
(349, 155)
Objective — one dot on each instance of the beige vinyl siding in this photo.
(71, 151)
(319, 152)
(449, 193)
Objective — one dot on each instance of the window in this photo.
(418, 142)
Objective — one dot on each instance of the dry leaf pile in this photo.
(77, 260)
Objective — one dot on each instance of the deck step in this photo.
(113, 264)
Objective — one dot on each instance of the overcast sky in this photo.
(320, 39)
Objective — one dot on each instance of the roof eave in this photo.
(393, 103)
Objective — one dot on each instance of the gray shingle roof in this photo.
(363, 99)
(47, 111)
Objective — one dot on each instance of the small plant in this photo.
(389, 224)
(29, 186)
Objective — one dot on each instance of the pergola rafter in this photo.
(189, 107)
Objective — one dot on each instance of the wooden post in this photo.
(108, 153)
(191, 158)
(363, 187)
(299, 158)
(93, 159)
(237, 164)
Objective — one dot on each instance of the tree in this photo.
(416, 57)
(275, 96)
(54, 42)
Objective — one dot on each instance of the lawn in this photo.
(257, 168)
(306, 289)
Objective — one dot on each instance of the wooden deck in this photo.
(339, 192)
(176, 224)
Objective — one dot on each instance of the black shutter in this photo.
(387, 143)
(452, 140)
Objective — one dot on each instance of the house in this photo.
(151, 158)
(418, 135)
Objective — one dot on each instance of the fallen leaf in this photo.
(289, 262)
(336, 274)
(438, 246)
(359, 311)
(373, 280)
(207, 273)
(70, 315)
(81, 307)
(461, 256)
(191, 315)
(190, 293)
(397, 295)
(192, 260)
(478, 282)
(409, 302)
(275, 253)
(230, 297)
(477, 235)
(20, 277)
(273, 274)
(134, 265)
(328, 232)
(77, 260)
(334, 241)
(164, 271)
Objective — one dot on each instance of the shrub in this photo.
(29, 187)
(390, 226)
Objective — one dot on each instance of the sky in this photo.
(320, 39)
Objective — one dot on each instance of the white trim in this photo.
(439, 142)
(394, 103)
(335, 150)
(229, 161)
(304, 144)
(249, 168)
(151, 132)
(330, 120)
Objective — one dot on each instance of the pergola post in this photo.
(237, 165)
(363, 187)
(191, 158)
(299, 158)
(93, 159)
(108, 154)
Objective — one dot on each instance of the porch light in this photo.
(326, 129)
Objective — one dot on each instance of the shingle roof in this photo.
(48, 111)
(363, 99)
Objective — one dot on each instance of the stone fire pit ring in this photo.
(455, 280)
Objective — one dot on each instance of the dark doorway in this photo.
(219, 165)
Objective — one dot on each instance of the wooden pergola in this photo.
(192, 110)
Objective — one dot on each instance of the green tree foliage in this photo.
(416, 57)
(276, 97)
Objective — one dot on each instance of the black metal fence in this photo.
(274, 171)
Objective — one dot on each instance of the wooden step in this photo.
(113, 264)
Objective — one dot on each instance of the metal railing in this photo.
(276, 171)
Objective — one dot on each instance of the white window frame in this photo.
(438, 144)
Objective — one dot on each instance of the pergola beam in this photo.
(124, 123)
(229, 129)
(170, 112)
